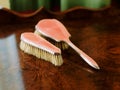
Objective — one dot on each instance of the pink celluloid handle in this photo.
(86, 58)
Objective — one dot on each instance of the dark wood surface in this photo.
(96, 32)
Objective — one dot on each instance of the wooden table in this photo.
(96, 32)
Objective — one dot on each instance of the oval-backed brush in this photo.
(41, 48)
(55, 30)
(52, 33)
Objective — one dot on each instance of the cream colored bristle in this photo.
(55, 59)
(61, 45)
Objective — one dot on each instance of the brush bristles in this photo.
(55, 59)
(61, 45)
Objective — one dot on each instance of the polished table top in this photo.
(96, 32)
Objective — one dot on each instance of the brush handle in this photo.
(85, 57)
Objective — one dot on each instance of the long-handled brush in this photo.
(41, 48)
(62, 45)
(55, 30)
